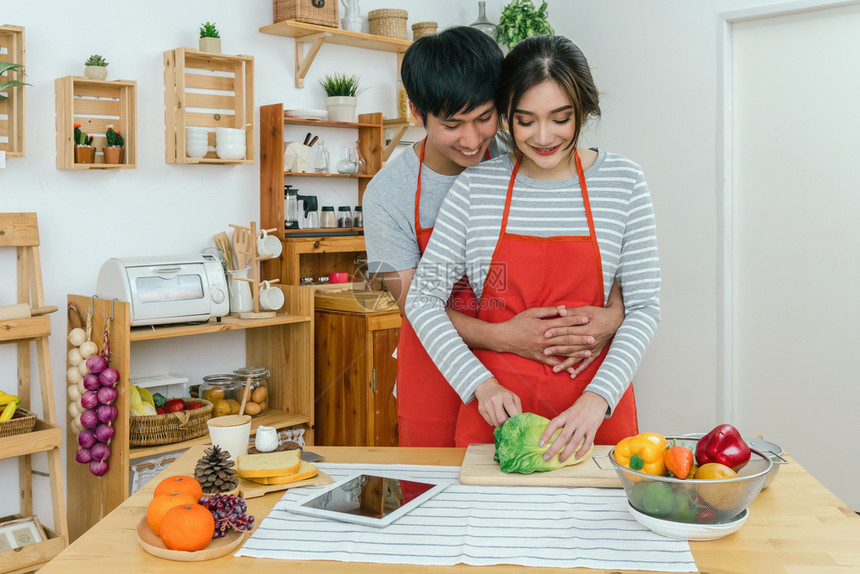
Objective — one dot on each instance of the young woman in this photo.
(550, 224)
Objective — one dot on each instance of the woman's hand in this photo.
(496, 403)
(525, 335)
(578, 424)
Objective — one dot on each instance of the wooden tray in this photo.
(480, 468)
(356, 300)
(151, 542)
(251, 489)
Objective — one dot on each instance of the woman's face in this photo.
(543, 127)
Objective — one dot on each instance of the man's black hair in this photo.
(451, 72)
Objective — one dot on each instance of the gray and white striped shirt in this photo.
(467, 231)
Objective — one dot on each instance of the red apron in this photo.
(427, 406)
(539, 271)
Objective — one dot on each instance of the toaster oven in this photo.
(161, 290)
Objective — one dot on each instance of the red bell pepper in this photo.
(725, 445)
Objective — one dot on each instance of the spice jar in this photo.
(358, 219)
(223, 392)
(344, 216)
(258, 398)
(327, 218)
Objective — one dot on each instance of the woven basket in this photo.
(153, 430)
(421, 29)
(390, 23)
(21, 422)
(306, 11)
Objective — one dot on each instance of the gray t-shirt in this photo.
(389, 208)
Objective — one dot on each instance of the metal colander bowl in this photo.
(694, 500)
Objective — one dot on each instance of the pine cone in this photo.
(215, 472)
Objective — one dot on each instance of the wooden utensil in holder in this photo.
(250, 255)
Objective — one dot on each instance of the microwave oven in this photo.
(163, 290)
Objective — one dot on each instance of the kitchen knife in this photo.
(308, 456)
(313, 141)
(307, 138)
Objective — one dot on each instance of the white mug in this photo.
(231, 433)
(241, 300)
(268, 246)
(271, 298)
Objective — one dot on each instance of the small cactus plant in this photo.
(81, 137)
(96, 60)
(114, 139)
(208, 30)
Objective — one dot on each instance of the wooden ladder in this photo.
(21, 231)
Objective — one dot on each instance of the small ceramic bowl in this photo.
(196, 150)
(230, 152)
(689, 531)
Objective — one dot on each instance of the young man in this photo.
(451, 79)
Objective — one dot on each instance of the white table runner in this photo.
(476, 525)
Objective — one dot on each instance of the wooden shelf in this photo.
(226, 324)
(191, 98)
(33, 556)
(14, 330)
(42, 438)
(95, 104)
(12, 126)
(318, 35)
(327, 123)
(400, 126)
(311, 174)
(273, 418)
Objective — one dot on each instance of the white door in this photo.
(796, 237)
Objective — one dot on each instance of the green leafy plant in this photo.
(5, 68)
(518, 446)
(208, 30)
(81, 137)
(114, 139)
(340, 85)
(96, 60)
(520, 19)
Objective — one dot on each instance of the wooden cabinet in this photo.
(354, 378)
(284, 344)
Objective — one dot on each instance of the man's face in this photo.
(459, 141)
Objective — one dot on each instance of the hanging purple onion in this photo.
(83, 455)
(106, 413)
(96, 364)
(91, 382)
(86, 438)
(89, 419)
(104, 432)
(100, 451)
(89, 400)
(108, 377)
(107, 395)
(98, 468)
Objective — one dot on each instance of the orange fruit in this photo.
(180, 484)
(187, 527)
(160, 504)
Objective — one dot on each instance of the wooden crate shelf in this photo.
(95, 104)
(12, 126)
(207, 90)
(33, 556)
(42, 438)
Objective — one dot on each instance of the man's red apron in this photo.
(427, 406)
(525, 272)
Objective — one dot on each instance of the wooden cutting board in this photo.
(251, 489)
(480, 468)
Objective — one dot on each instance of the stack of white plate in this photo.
(230, 143)
(196, 141)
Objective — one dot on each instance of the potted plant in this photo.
(5, 68)
(84, 150)
(519, 20)
(210, 40)
(95, 68)
(113, 152)
(342, 92)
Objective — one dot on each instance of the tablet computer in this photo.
(369, 499)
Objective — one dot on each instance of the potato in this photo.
(259, 394)
(252, 408)
(220, 408)
(234, 406)
(213, 395)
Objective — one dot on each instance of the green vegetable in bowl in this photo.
(658, 499)
(518, 446)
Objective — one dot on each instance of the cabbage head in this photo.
(518, 445)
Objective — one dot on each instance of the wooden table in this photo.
(796, 526)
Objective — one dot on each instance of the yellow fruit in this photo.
(721, 496)
(714, 471)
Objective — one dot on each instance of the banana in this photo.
(6, 399)
(9, 411)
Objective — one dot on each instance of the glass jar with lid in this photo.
(258, 399)
(223, 391)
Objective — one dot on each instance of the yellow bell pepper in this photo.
(643, 452)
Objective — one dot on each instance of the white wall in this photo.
(655, 62)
